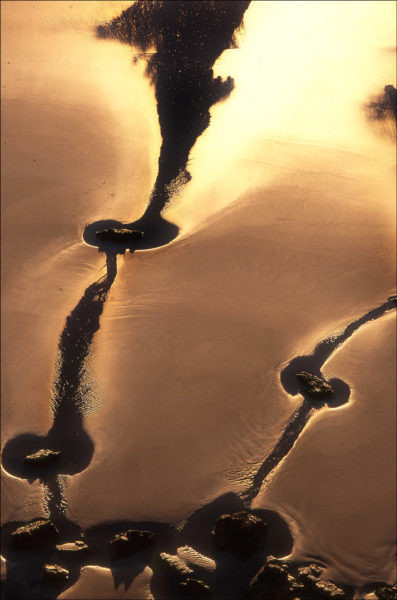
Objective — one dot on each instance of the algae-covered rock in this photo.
(41, 532)
(119, 235)
(313, 385)
(131, 541)
(240, 533)
(54, 573)
(195, 587)
(43, 457)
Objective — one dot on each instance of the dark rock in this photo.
(393, 299)
(313, 385)
(240, 533)
(54, 573)
(386, 592)
(119, 235)
(273, 581)
(385, 105)
(43, 457)
(194, 587)
(174, 565)
(41, 532)
(131, 541)
(317, 587)
(71, 547)
(281, 580)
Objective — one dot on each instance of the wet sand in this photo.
(287, 236)
(338, 482)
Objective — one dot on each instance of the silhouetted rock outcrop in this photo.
(119, 235)
(240, 533)
(131, 541)
(54, 573)
(313, 385)
(43, 457)
(41, 532)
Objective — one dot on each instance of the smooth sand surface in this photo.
(287, 236)
(186, 343)
(98, 583)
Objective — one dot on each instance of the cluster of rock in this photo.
(282, 580)
(192, 574)
(386, 592)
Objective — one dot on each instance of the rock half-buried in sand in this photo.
(54, 573)
(313, 385)
(131, 541)
(41, 532)
(239, 533)
(42, 457)
(119, 235)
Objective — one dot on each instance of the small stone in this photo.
(119, 235)
(193, 586)
(313, 385)
(174, 565)
(43, 457)
(54, 573)
(131, 541)
(393, 299)
(239, 533)
(77, 546)
(41, 532)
